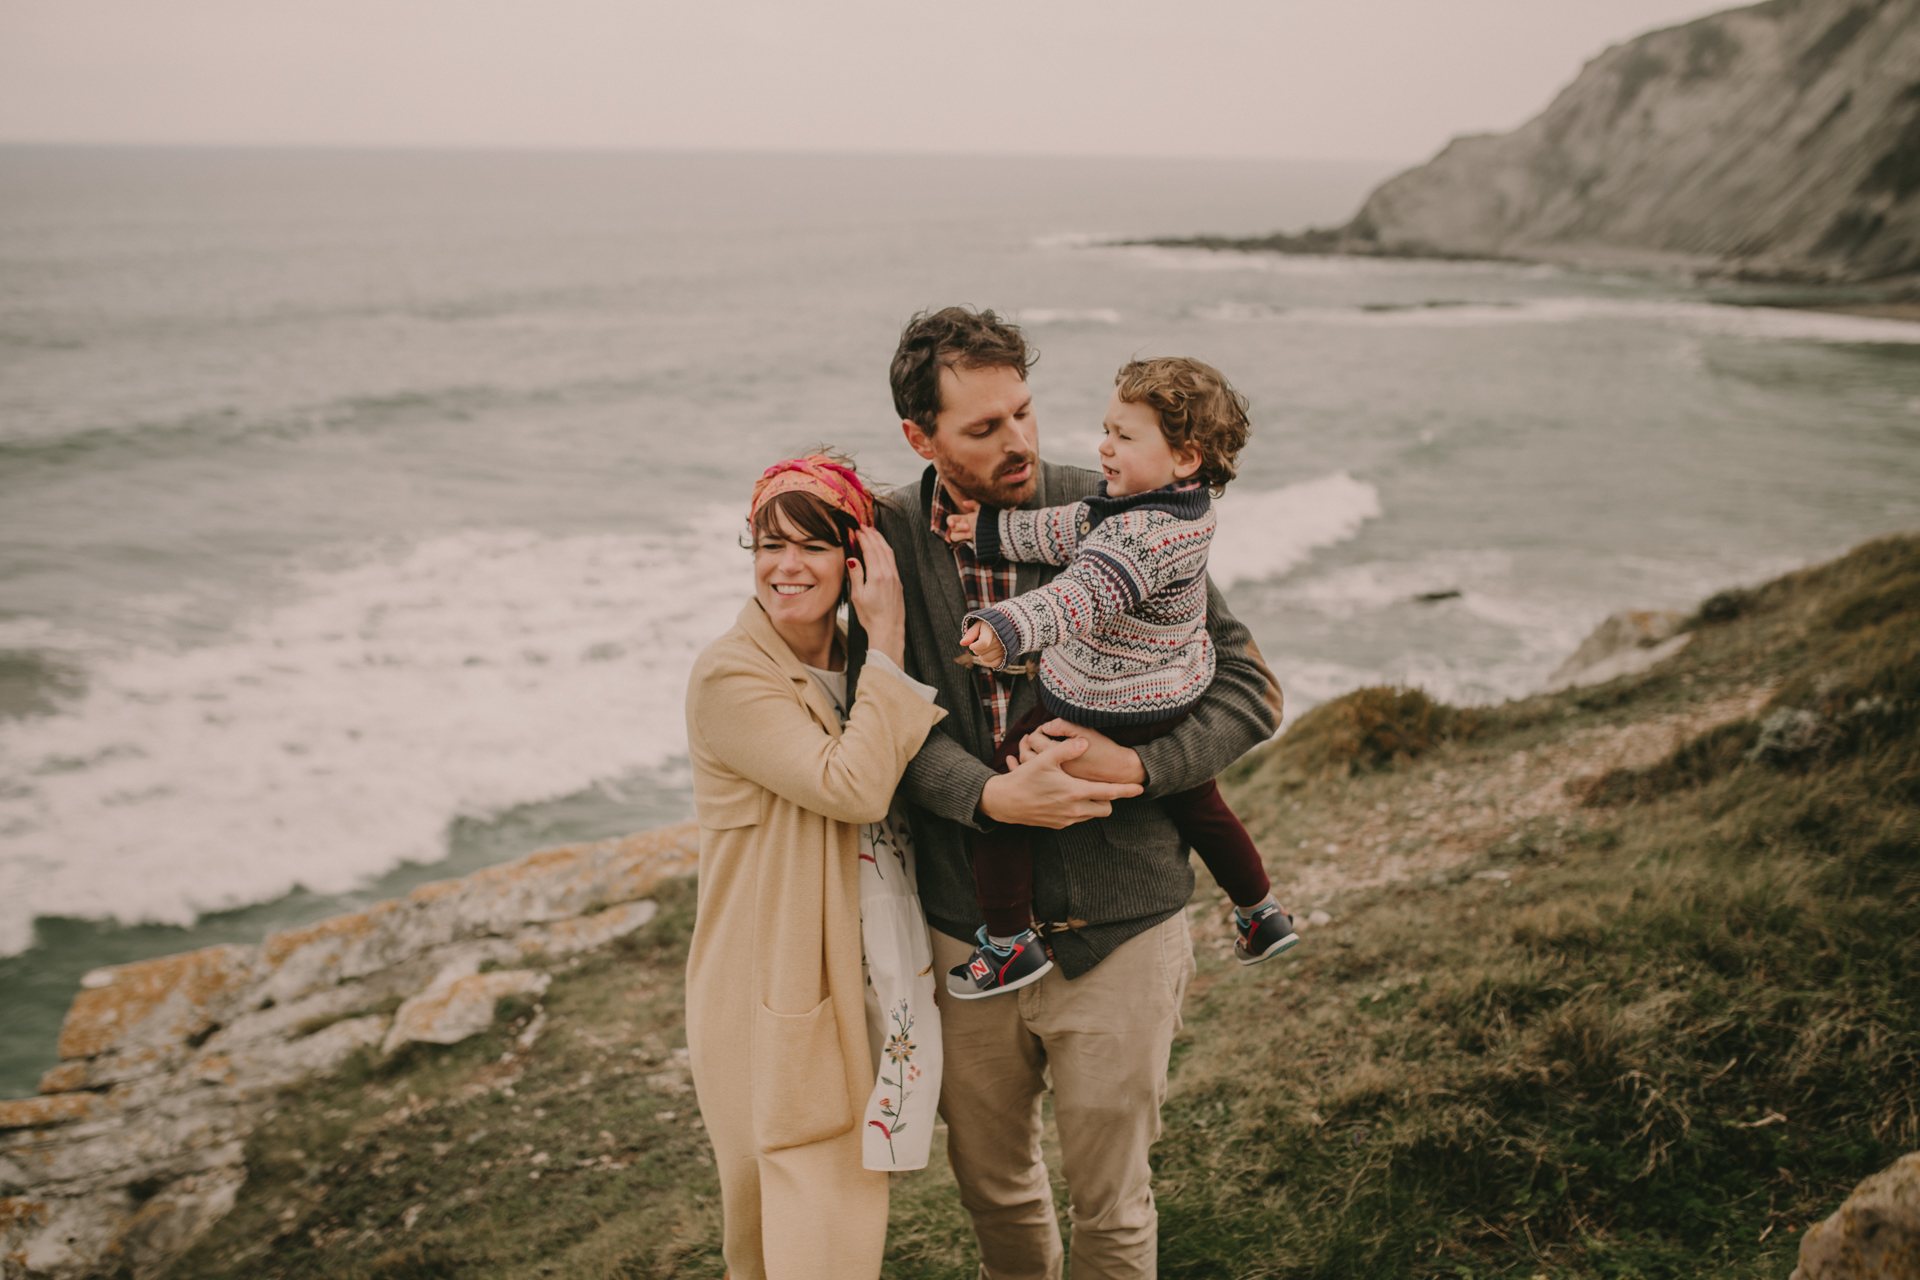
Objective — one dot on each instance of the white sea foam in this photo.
(1066, 315)
(1260, 262)
(1765, 323)
(1262, 535)
(1073, 239)
(333, 738)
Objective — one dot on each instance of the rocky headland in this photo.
(1776, 142)
(1615, 980)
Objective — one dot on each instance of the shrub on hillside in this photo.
(1373, 728)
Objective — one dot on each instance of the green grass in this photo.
(1672, 1039)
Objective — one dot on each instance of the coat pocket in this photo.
(799, 1078)
(727, 802)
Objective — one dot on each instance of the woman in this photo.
(792, 787)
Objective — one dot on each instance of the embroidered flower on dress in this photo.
(900, 1050)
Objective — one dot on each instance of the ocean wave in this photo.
(1719, 319)
(34, 682)
(1175, 258)
(1262, 535)
(335, 738)
(1046, 315)
(1074, 239)
(219, 428)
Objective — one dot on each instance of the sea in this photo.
(362, 512)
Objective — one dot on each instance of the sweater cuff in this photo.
(1003, 627)
(987, 542)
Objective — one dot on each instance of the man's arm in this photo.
(946, 780)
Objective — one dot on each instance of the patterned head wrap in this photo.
(826, 478)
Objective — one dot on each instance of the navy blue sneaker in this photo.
(991, 970)
(1263, 935)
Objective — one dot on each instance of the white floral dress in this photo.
(903, 1027)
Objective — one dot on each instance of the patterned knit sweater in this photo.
(1122, 631)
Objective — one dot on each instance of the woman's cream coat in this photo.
(775, 1019)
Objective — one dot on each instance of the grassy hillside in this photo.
(1616, 982)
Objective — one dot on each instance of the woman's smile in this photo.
(798, 579)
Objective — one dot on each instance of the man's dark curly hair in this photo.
(952, 337)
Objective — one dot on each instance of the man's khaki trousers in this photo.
(1104, 1039)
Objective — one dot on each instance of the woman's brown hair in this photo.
(805, 514)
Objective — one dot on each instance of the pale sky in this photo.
(1307, 79)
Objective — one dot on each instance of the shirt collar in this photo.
(1183, 500)
(940, 507)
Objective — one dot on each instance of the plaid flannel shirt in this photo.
(984, 585)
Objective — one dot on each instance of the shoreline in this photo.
(1899, 300)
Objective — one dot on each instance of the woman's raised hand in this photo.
(875, 591)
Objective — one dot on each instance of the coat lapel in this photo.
(758, 626)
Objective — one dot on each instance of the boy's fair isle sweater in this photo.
(1122, 631)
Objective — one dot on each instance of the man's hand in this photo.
(1103, 759)
(1037, 791)
(985, 643)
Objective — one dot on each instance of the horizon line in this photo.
(609, 149)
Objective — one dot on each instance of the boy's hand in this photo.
(960, 527)
(985, 643)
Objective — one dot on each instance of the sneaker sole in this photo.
(1027, 981)
(1247, 958)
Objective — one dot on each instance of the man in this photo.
(1110, 875)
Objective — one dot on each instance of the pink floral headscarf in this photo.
(828, 479)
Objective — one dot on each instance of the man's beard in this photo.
(992, 491)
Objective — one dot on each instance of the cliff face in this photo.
(1781, 140)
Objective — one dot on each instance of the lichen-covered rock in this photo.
(451, 1010)
(558, 884)
(115, 1232)
(136, 1143)
(1624, 644)
(155, 1003)
(48, 1109)
(1874, 1234)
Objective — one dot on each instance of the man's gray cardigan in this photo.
(1107, 879)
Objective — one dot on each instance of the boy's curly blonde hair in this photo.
(1197, 408)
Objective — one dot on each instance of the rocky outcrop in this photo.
(1874, 1234)
(1778, 142)
(1625, 644)
(1781, 139)
(136, 1143)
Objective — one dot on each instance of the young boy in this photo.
(1122, 638)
